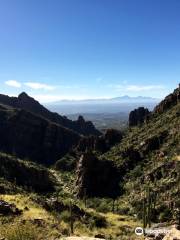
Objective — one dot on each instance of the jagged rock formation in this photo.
(138, 116)
(171, 100)
(96, 178)
(102, 143)
(29, 136)
(112, 136)
(23, 101)
(25, 174)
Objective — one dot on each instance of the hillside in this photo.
(27, 103)
(32, 137)
(104, 187)
(148, 161)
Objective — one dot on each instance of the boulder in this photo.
(8, 209)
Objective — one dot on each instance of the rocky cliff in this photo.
(30, 136)
(138, 116)
(169, 101)
(25, 102)
(96, 178)
(101, 143)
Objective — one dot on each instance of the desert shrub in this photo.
(124, 210)
(66, 163)
(103, 205)
(97, 221)
(65, 216)
(165, 214)
(100, 221)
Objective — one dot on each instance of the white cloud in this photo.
(39, 86)
(13, 83)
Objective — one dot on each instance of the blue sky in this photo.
(75, 49)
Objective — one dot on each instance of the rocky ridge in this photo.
(27, 103)
(29, 136)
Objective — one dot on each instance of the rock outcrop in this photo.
(8, 209)
(102, 143)
(31, 137)
(138, 116)
(25, 102)
(96, 178)
(169, 101)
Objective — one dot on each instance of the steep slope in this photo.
(23, 101)
(148, 162)
(25, 174)
(27, 135)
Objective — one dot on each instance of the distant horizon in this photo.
(89, 99)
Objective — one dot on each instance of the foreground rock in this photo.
(172, 234)
(8, 209)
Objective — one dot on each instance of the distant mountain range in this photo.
(123, 104)
(122, 99)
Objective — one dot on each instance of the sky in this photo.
(79, 49)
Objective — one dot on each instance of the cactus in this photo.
(149, 203)
(71, 218)
(144, 213)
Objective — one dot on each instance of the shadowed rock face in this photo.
(29, 136)
(171, 100)
(101, 143)
(23, 101)
(96, 178)
(138, 116)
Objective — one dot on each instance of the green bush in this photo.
(165, 215)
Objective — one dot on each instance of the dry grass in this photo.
(121, 227)
(22, 201)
